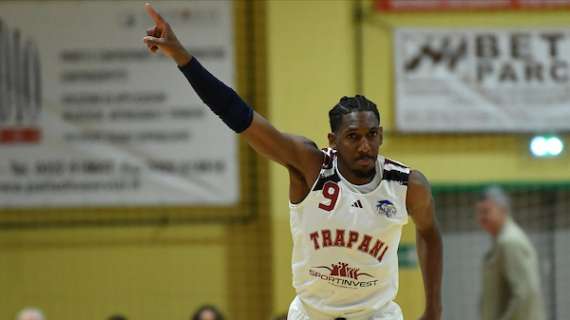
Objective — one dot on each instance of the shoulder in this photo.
(418, 179)
(513, 248)
(419, 191)
(510, 242)
(418, 183)
(512, 237)
(309, 156)
(391, 164)
(327, 172)
(395, 171)
(304, 141)
(329, 156)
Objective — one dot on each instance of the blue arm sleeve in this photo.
(220, 98)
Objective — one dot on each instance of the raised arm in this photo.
(420, 206)
(298, 154)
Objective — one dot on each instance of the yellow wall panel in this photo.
(310, 67)
(145, 273)
(311, 64)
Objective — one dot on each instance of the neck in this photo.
(497, 230)
(351, 177)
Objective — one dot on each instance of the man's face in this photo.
(490, 216)
(207, 315)
(30, 316)
(357, 142)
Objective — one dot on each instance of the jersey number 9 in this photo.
(331, 191)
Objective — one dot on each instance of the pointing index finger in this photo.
(156, 17)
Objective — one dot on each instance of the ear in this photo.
(332, 140)
(381, 135)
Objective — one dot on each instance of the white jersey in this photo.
(345, 243)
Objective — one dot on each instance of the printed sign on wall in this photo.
(88, 117)
(451, 5)
(492, 80)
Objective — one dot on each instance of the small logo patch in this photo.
(386, 207)
(357, 204)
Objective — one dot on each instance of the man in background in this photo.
(207, 312)
(510, 277)
(30, 314)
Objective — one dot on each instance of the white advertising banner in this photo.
(88, 117)
(482, 80)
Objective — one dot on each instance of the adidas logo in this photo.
(357, 204)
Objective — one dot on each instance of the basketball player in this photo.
(348, 204)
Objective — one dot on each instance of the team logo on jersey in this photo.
(342, 269)
(343, 275)
(386, 207)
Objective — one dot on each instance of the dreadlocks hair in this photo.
(348, 105)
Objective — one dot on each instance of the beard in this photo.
(357, 171)
(365, 174)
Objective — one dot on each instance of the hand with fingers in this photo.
(161, 37)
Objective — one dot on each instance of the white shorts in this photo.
(297, 311)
